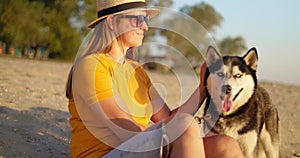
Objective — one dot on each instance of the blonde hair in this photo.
(99, 42)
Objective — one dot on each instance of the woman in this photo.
(111, 98)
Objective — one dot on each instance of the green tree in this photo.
(206, 16)
(20, 25)
(232, 46)
(3, 7)
(61, 34)
(210, 19)
(59, 25)
(87, 12)
(40, 23)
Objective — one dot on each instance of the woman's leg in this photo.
(222, 146)
(184, 134)
(189, 144)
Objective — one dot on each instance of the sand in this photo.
(34, 111)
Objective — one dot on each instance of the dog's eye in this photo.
(221, 74)
(238, 75)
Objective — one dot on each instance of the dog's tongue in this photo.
(227, 103)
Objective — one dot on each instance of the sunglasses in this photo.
(137, 19)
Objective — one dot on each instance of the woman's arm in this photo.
(117, 117)
(191, 106)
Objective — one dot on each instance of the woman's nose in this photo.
(144, 26)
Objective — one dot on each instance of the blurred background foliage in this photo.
(45, 29)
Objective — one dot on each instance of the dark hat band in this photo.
(119, 8)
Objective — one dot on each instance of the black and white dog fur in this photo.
(237, 106)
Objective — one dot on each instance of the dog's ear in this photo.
(251, 58)
(212, 55)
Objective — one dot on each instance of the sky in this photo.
(272, 26)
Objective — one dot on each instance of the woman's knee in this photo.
(190, 126)
(193, 130)
(222, 146)
(183, 126)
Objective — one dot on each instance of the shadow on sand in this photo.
(37, 132)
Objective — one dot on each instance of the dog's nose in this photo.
(226, 89)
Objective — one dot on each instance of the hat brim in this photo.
(152, 12)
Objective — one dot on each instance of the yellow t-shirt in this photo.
(95, 78)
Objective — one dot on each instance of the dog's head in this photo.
(230, 80)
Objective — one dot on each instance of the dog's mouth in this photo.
(228, 100)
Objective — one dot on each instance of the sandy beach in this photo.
(34, 111)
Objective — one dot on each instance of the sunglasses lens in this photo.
(137, 19)
(141, 19)
(147, 18)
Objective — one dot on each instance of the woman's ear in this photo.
(109, 21)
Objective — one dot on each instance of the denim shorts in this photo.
(147, 144)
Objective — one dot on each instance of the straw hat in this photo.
(110, 7)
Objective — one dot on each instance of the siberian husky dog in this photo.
(238, 107)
